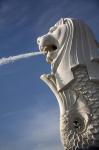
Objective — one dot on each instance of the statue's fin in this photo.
(48, 79)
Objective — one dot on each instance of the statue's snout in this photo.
(39, 39)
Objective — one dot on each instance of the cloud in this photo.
(14, 14)
(33, 129)
(43, 131)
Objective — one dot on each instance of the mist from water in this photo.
(11, 59)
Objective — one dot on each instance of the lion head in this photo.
(70, 43)
(52, 41)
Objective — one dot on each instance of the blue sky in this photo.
(29, 113)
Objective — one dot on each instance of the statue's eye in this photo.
(52, 29)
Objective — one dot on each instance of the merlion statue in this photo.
(73, 53)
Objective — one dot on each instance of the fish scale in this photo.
(90, 93)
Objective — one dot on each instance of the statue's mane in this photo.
(80, 48)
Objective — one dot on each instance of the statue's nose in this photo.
(41, 39)
(38, 40)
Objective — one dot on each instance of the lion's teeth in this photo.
(44, 48)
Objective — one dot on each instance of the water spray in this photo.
(10, 59)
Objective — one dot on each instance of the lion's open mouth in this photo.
(49, 48)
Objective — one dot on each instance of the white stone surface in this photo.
(73, 54)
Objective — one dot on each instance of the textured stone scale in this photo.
(73, 53)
